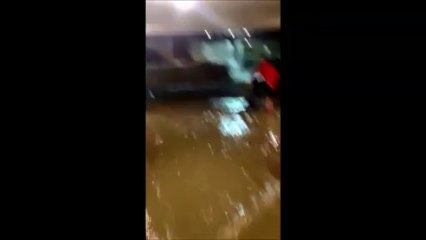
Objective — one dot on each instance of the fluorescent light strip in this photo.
(208, 35)
(230, 32)
(247, 33)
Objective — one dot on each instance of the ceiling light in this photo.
(183, 5)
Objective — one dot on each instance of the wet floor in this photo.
(212, 171)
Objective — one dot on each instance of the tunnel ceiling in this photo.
(162, 17)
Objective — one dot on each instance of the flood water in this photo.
(212, 171)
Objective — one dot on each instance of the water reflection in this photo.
(233, 126)
(231, 104)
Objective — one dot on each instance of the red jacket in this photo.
(269, 73)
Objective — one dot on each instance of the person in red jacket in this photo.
(266, 82)
(268, 73)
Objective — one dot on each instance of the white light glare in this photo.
(247, 33)
(230, 32)
(183, 5)
(207, 33)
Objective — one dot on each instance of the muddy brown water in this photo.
(212, 172)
